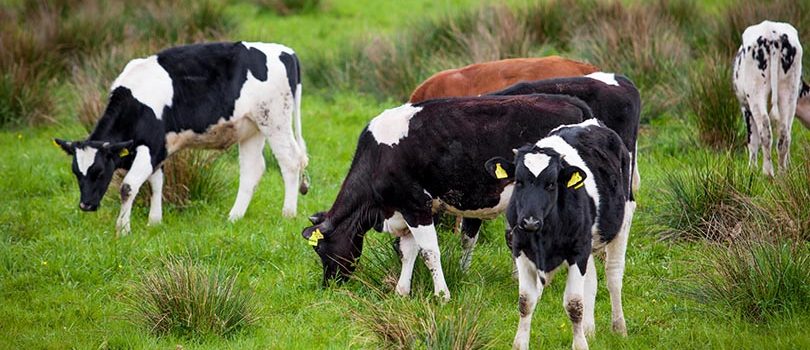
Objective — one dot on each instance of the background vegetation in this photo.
(718, 256)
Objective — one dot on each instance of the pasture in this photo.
(718, 255)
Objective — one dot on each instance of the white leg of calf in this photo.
(251, 168)
(156, 204)
(468, 245)
(530, 289)
(766, 139)
(291, 161)
(787, 107)
(614, 268)
(753, 140)
(409, 249)
(574, 304)
(588, 322)
(140, 171)
(428, 243)
(636, 176)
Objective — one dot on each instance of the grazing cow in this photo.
(572, 195)
(414, 160)
(203, 96)
(482, 78)
(769, 62)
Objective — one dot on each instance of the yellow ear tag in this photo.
(124, 153)
(499, 172)
(576, 180)
(55, 144)
(316, 236)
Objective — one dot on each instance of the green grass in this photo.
(66, 281)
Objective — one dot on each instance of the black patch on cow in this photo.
(748, 120)
(574, 309)
(788, 52)
(126, 191)
(291, 64)
(762, 60)
(523, 306)
(805, 89)
(257, 63)
(470, 227)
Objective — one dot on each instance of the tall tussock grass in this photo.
(714, 106)
(754, 279)
(188, 300)
(738, 15)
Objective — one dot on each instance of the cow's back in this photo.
(482, 78)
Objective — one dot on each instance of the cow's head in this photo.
(540, 174)
(803, 105)
(339, 245)
(94, 163)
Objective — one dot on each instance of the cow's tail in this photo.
(297, 110)
(774, 66)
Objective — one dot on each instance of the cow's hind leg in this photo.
(156, 204)
(138, 173)
(530, 288)
(251, 168)
(588, 322)
(788, 95)
(614, 268)
(291, 162)
(428, 242)
(409, 249)
(469, 235)
(753, 136)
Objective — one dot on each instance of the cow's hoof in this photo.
(154, 221)
(444, 295)
(288, 213)
(122, 230)
(579, 343)
(403, 290)
(619, 327)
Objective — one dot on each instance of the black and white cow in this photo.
(414, 160)
(203, 96)
(572, 195)
(769, 62)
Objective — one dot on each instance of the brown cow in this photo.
(481, 78)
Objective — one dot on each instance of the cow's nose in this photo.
(530, 224)
(87, 207)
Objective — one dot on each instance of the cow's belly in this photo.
(482, 213)
(221, 135)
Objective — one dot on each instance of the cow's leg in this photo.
(788, 95)
(251, 168)
(291, 162)
(409, 249)
(574, 304)
(138, 173)
(469, 235)
(156, 204)
(588, 322)
(753, 135)
(636, 176)
(428, 242)
(614, 268)
(759, 112)
(530, 288)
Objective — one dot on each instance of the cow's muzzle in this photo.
(88, 207)
(530, 224)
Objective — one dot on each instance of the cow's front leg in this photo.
(469, 235)
(614, 268)
(409, 249)
(428, 242)
(251, 168)
(156, 204)
(574, 304)
(530, 288)
(140, 171)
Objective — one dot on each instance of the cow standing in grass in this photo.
(202, 96)
(414, 160)
(769, 62)
(572, 195)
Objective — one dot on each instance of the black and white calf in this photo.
(572, 195)
(202, 96)
(414, 160)
(769, 62)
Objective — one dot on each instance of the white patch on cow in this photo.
(138, 173)
(536, 162)
(483, 213)
(582, 124)
(85, 157)
(573, 158)
(396, 225)
(530, 289)
(391, 126)
(149, 83)
(607, 78)
(428, 242)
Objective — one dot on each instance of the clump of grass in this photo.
(289, 7)
(714, 107)
(755, 279)
(738, 15)
(400, 323)
(708, 202)
(786, 202)
(186, 299)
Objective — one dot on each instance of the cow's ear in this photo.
(67, 146)
(572, 177)
(500, 168)
(121, 149)
(317, 218)
(313, 234)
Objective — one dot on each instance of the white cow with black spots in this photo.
(201, 96)
(769, 63)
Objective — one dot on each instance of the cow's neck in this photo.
(355, 210)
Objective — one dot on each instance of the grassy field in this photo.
(66, 281)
